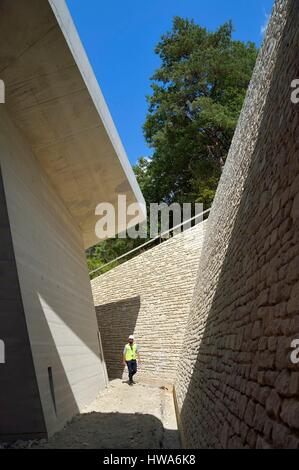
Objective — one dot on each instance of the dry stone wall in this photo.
(149, 296)
(236, 385)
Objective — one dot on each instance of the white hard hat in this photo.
(131, 337)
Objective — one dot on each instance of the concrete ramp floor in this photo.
(141, 416)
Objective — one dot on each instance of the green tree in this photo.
(197, 96)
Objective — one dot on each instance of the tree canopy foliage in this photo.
(197, 96)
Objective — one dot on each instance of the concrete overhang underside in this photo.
(54, 99)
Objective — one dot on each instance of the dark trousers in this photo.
(132, 368)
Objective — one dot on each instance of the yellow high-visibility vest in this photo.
(130, 352)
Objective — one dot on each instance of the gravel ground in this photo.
(141, 416)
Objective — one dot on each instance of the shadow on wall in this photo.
(114, 431)
(116, 321)
(60, 399)
(18, 383)
(246, 342)
(21, 413)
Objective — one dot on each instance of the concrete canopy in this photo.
(54, 99)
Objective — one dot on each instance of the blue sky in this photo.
(120, 36)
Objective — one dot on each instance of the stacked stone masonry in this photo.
(236, 385)
(149, 296)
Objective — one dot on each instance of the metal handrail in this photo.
(151, 241)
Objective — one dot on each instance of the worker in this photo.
(130, 356)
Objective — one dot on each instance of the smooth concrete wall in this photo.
(54, 284)
(237, 386)
(149, 296)
(20, 408)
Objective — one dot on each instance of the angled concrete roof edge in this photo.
(71, 35)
